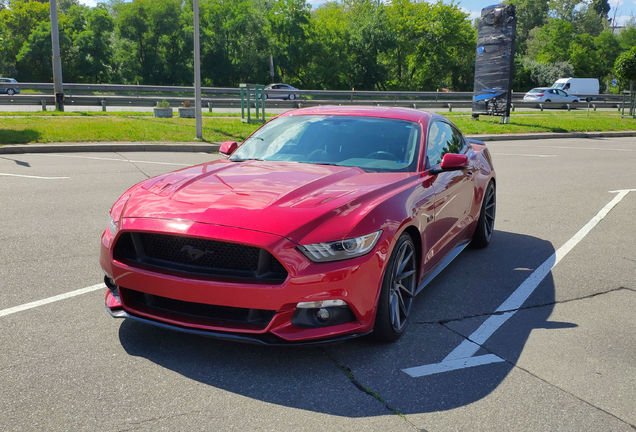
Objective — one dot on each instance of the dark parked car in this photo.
(13, 89)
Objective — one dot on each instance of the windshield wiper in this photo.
(247, 159)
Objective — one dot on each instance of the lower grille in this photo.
(195, 313)
(196, 256)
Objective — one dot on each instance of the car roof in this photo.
(364, 111)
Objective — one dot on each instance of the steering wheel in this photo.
(382, 155)
(318, 155)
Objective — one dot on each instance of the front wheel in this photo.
(292, 97)
(486, 221)
(10, 92)
(397, 292)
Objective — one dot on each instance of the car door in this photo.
(454, 191)
(565, 97)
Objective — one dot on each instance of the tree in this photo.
(550, 43)
(155, 48)
(95, 54)
(585, 58)
(17, 24)
(625, 66)
(530, 14)
(288, 24)
(234, 44)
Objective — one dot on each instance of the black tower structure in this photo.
(494, 62)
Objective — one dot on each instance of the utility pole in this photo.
(57, 61)
(197, 73)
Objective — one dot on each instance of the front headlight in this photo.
(112, 226)
(341, 249)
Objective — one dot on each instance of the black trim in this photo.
(260, 339)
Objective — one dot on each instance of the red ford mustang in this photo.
(323, 225)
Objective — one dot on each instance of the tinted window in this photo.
(442, 139)
(373, 144)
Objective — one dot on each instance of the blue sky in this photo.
(626, 8)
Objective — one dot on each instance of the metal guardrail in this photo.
(214, 97)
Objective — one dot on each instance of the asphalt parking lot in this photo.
(534, 333)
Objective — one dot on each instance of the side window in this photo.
(442, 139)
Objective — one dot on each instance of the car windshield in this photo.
(536, 90)
(372, 144)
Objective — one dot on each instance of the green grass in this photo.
(543, 122)
(43, 127)
(205, 113)
(32, 129)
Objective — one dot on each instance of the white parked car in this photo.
(547, 94)
(280, 94)
(10, 86)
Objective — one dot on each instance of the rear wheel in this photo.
(397, 293)
(548, 100)
(486, 221)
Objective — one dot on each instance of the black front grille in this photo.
(196, 256)
(195, 313)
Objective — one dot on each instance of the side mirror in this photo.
(452, 162)
(228, 147)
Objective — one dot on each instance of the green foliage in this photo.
(625, 66)
(361, 44)
(541, 74)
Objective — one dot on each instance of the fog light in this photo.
(323, 314)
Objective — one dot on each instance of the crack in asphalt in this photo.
(488, 314)
(367, 390)
(133, 163)
(571, 394)
(514, 365)
(137, 424)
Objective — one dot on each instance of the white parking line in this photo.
(33, 177)
(53, 299)
(112, 159)
(519, 154)
(494, 144)
(462, 356)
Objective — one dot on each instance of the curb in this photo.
(213, 148)
(110, 147)
(552, 135)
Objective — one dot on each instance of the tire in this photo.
(292, 97)
(10, 91)
(548, 100)
(486, 221)
(397, 292)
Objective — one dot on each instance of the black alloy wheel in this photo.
(486, 221)
(398, 291)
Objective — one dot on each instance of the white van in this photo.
(577, 86)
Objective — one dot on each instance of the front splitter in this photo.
(262, 339)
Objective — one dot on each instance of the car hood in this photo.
(302, 202)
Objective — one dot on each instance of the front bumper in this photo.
(357, 282)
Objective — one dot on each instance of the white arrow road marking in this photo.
(26, 306)
(462, 356)
(33, 177)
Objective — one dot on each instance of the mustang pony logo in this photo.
(194, 253)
